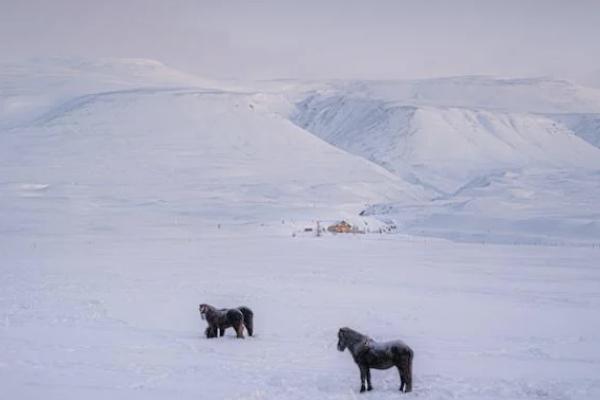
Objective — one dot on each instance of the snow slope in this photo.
(440, 144)
(586, 126)
(165, 154)
(448, 135)
(537, 95)
(31, 88)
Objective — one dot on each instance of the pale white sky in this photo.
(315, 39)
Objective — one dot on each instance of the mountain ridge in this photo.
(258, 153)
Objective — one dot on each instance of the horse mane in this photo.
(353, 336)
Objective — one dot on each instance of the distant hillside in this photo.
(110, 146)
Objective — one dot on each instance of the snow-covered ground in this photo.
(116, 317)
(130, 192)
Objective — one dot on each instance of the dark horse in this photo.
(368, 354)
(221, 319)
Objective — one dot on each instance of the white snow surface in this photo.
(108, 316)
(130, 193)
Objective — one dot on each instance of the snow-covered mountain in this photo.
(464, 129)
(30, 88)
(123, 133)
(187, 155)
(456, 133)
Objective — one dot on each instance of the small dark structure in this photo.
(368, 354)
(220, 319)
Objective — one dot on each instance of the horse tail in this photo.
(404, 359)
(248, 319)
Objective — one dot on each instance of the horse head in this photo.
(341, 346)
(204, 309)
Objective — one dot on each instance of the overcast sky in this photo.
(315, 39)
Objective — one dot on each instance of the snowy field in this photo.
(105, 317)
(130, 193)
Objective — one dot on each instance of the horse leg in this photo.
(408, 374)
(239, 330)
(363, 377)
(369, 387)
(402, 382)
(211, 332)
(249, 328)
(408, 386)
(221, 330)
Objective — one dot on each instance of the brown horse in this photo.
(368, 354)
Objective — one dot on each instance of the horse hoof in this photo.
(370, 388)
(362, 389)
